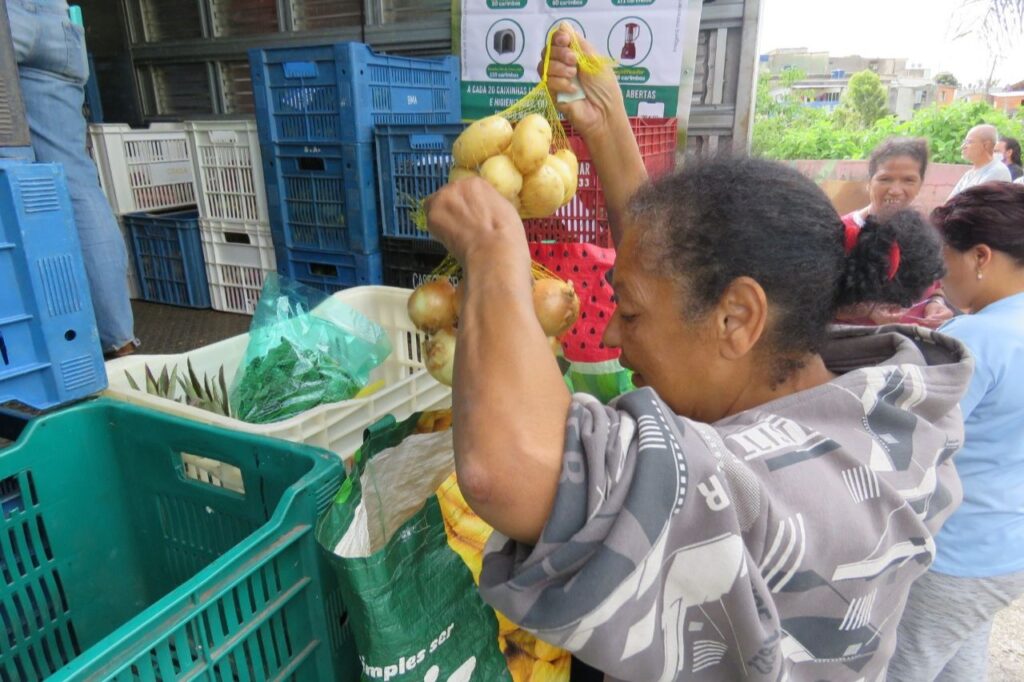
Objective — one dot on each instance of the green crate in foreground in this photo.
(140, 546)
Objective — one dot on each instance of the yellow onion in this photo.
(556, 304)
(432, 305)
(439, 351)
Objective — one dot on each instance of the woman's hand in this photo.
(469, 216)
(603, 97)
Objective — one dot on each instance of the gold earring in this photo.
(979, 274)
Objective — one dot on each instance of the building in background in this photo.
(1010, 99)
(909, 86)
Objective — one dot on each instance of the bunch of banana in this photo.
(434, 421)
(528, 658)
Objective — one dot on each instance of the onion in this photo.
(556, 304)
(556, 345)
(432, 306)
(460, 292)
(439, 350)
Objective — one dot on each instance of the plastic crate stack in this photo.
(148, 177)
(412, 163)
(233, 219)
(317, 108)
(49, 345)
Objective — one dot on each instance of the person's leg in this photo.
(52, 81)
(971, 659)
(944, 614)
(929, 632)
(992, 595)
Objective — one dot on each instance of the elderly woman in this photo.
(760, 506)
(896, 169)
(979, 566)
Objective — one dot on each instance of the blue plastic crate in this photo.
(49, 346)
(168, 252)
(412, 163)
(339, 92)
(322, 197)
(332, 272)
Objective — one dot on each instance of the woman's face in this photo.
(960, 285)
(895, 184)
(672, 355)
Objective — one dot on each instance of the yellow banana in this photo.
(505, 626)
(543, 671)
(547, 652)
(520, 664)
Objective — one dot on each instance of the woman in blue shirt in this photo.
(979, 564)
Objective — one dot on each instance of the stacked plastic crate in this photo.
(412, 163)
(148, 178)
(49, 345)
(317, 108)
(233, 218)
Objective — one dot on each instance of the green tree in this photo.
(946, 78)
(864, 101)
(802, 133)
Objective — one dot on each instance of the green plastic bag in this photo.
(305, 349)
(603, 380)
(414, 608)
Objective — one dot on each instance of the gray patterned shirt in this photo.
(777, 544)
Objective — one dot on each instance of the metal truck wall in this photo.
(720, 77)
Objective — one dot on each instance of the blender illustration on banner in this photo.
(629, 47)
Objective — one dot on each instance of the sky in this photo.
(921, 30)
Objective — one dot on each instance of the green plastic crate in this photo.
(140, 546)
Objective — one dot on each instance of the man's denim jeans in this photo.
(53, 67)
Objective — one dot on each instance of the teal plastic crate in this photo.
(139, 546)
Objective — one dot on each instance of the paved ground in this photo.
(1006, 649)
(169, 329)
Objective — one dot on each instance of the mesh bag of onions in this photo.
(434, 309)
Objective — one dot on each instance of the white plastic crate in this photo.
(336, 426)
(229, 170)
(238, 258)
(143, 169)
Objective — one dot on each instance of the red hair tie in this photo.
(894, 260)
(850, 235)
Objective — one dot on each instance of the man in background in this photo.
(53, 68)
(979, 149)
(1008, 149)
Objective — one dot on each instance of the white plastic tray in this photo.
(338, 426)
(229, 170)
(238, 257)
(143, 169)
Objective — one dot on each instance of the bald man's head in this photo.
(979, 144)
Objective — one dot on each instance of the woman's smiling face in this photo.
(895, 184)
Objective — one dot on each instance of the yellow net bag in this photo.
(523, 151)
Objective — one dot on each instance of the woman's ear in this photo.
(741, 317)
(982, 255)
